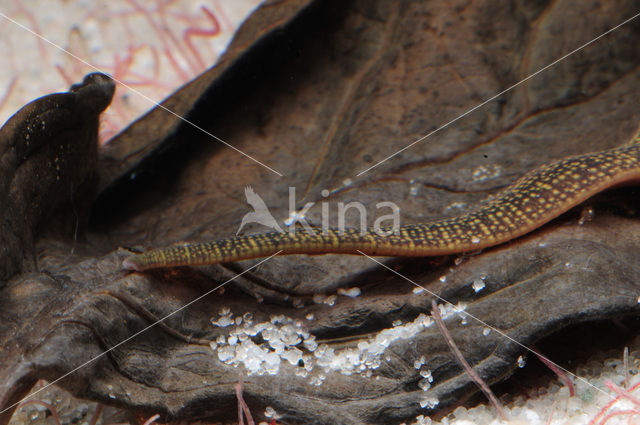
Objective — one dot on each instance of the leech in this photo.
(535, 199)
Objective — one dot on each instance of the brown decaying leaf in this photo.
(320, 91)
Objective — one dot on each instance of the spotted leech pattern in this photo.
(533, 200)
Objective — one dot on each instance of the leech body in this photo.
(532, 201)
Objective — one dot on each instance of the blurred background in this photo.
(153, 46)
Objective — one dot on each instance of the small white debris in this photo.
(478, 285)
(486, 172)
(350, 292)
(426, 374)
(586, 215)
(414, 187)
(226, 354)
(316, 381)
(422, 420)
(293, 356)
(265, 347)
(223, 322)
(311, 345)
(455, 206)
(324, 299)
(271, 413)
(486, 331)
(331, 300)
(429, 402)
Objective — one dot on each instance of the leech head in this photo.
(131, 264)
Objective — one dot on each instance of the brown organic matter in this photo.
(319, 91)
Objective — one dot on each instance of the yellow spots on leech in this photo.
(485, 230)
(507, 221)
(544, 185)
(545, 192)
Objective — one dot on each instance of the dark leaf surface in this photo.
(320, 91)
